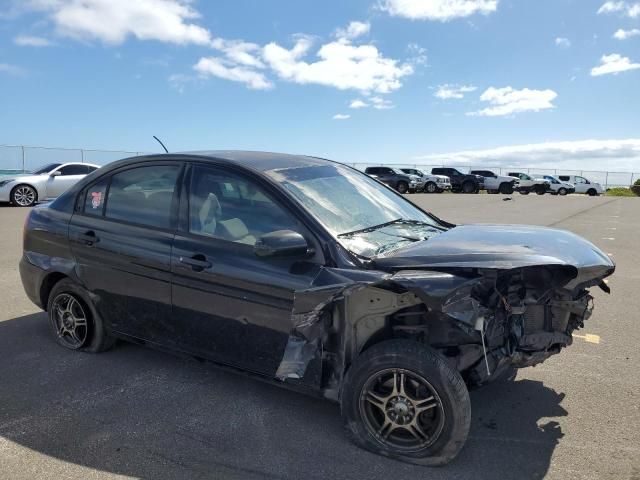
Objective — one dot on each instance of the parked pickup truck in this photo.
(528, 184)
(432, 183)
(460, 182)
(497, 183)
(583, 185)
(395, 178)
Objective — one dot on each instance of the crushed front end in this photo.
(515, 318)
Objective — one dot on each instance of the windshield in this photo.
(46, 169)
(346, 201)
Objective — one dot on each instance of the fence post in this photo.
(631, 179)
(82, 155)
(23, 159)
(606, 181)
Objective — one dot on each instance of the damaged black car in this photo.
(312, 275)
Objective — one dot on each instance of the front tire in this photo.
(402, 400)
(562, 191)
(469, 187)
(592, 192)
(73, 320)
(24, 196)
(431, 187)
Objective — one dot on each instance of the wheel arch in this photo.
(47, 285)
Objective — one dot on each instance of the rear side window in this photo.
(143, 195)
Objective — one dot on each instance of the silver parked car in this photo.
(46, 183)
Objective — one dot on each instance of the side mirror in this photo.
(282, 243)
(57, 173)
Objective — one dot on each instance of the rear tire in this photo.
(506, 188)
(74, 321)
(402, 400)
(24, 196)
(524, 192)
(402, 187)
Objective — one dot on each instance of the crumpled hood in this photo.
(501, 247)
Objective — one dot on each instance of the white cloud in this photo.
(631, 10)
(341, 116)
(113, 21)
(12, 69)
(237, 51)
(446, 91)
(340, 64)
(353, 30)
(624, 34)
(508, 101)
(380, 103)
(222, 68)
(358, 104)
(31, 41)
(613, 64)
(620, 155)
(441, 10)
(563, 42)
(418, 54)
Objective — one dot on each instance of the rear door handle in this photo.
(89, 238)
(198, 262)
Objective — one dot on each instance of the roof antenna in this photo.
(160, 142)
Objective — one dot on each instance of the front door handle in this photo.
(198, 262)
(88, 238)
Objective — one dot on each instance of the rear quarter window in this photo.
(95, 197)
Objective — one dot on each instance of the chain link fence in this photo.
(604, 178)
(22, 158)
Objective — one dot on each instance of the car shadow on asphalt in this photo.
(146, 414)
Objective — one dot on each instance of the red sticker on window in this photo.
(96, 199)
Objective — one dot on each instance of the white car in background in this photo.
(430, 183)
(46, 183)
(583, 185)
(558, 187)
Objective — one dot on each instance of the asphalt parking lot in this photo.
(135, 412)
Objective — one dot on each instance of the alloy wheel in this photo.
(402, 410)
(70, 321)
(24, 196)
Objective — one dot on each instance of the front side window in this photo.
(143, 195)
(73, 170)
(345, 201)
(229, 207)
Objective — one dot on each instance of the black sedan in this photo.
(312, 275)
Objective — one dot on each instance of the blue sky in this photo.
(506, 81)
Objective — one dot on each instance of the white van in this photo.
(583, 185)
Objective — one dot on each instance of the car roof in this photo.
(78, 163)
(261, 161)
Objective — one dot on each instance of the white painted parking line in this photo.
(588, 337)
